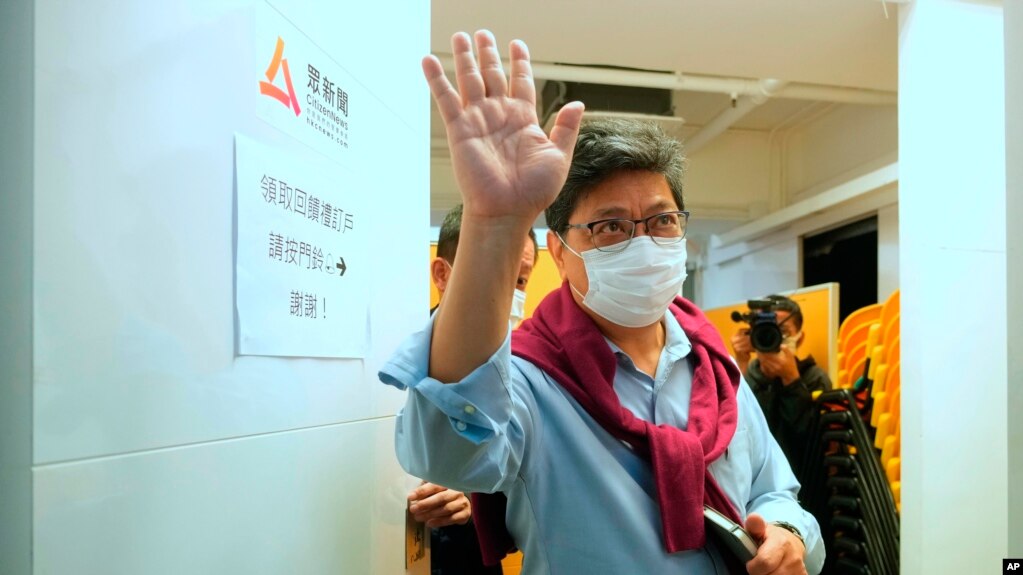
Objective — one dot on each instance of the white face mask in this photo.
(518, 308)
(633, 287)
(792, 342)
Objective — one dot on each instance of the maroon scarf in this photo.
(566, 344)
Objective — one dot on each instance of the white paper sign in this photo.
(302, 90)
(302, 265)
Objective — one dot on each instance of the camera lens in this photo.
(766, 337)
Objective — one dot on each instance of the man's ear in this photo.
(557, 251)
(440, 273)
(800, 339)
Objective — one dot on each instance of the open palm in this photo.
(504, 163)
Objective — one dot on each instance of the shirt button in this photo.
(460, 426)
(470, 409)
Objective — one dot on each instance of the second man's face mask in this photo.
(518, 308)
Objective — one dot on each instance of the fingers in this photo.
(483, 78)
(448, 102)
(566, 127)
(779, 551)
(521, 85)
(769, 361)
(740, 343)
(756, 527)
(460, 517)
(425, 489)
(491, 70)
(443, 508)
(467, 73)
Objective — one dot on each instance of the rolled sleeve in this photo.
(775, 489)
(477, 407)
(455, 434)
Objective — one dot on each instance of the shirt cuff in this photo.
(478, 407)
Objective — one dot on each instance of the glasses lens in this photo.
(667, 228)
(612, 235)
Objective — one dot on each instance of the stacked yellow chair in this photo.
(880, 369)
(886, 394)
(868, 346)
(852, 343)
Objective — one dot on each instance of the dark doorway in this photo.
(847, 255)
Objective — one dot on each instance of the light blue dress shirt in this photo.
(579, 500)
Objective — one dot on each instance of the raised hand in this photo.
(743, 348)
(505, 165)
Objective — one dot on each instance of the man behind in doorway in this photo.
(454, 547)
(608, 421)
(783, 383)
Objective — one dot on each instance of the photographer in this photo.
(782, 383)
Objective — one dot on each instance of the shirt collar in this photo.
(676, 342)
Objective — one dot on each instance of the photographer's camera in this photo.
(764, 334)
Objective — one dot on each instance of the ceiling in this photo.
(838, 43)
(831, 42)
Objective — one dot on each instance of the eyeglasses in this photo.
(616, 234)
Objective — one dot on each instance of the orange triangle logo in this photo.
(267, 88)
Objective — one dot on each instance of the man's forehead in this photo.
(529, 250)
(786, 326)
(622, 210)
(621, 193)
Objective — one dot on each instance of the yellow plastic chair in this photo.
(882, 398)
(890, 308)
(855, 337)
(854, 340)
(885, 426)
(891, 331)
(881, 379)
(856, 356)
(857, 318)
(891, 444)
(876, 359)
(854, 372)
(894, 380)
(894, 353)
(894, 470)
(873, 337)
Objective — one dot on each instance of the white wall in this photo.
(16, 55)
(840, 145)
(770, 269)
(772, 261)
(954, 424)
(730, 177)
(156, 449)
(887, 251)
(833, 148)
(1014, 263)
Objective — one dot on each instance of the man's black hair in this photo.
(782, 303)
(447, 242)
(609, 146)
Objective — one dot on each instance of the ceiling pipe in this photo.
(740, 107)
(699, 83)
